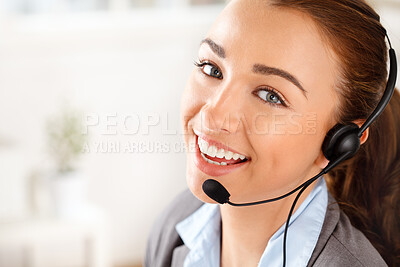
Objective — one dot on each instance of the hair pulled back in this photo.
(367, 186)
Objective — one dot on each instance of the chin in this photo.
(195, 184)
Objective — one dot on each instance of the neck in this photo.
(247, 230)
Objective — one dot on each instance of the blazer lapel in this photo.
(179, 255)
(332, 214)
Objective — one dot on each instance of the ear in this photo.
(365, 135)
(322, 162)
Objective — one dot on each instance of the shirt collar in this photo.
(304, 228)
(201, 233)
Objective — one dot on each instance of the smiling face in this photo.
(263, 88)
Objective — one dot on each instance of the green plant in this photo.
(65, 136)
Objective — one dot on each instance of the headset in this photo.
(341, 143)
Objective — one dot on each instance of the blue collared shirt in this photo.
(201, 233)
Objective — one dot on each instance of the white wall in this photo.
(105, 64)
(125, 64)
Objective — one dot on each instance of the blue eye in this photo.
(209, 69)
(267, 94)
(271, 96)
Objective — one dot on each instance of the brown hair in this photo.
(367, 186)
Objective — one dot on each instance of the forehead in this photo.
(252, 31)
(255, 26)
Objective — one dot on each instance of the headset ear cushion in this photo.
(339, 139)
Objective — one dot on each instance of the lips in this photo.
(220, 161)
(216, 149)
(202, 162)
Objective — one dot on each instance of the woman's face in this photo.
(265, 91)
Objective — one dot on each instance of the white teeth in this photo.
(213, 151)
(228, 155)
(212, 162)
(220, 154)
(203, 145)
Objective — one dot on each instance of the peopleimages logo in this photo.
(147, 124)
(128, 124)
(162, 133)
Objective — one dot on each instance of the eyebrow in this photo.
(217, 49)
(262, 69)
(258, 68)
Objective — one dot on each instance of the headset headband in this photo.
(390, 87)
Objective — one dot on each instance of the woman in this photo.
(273, 76)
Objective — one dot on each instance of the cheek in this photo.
(287, 151)
(281, 123)
(194, 97)
(189, 103)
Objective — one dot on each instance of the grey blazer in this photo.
(339, 243)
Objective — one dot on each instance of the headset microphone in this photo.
(341, 142)
(216, 191)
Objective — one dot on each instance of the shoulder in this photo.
(163, 238)
(344, 245)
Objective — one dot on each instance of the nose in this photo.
(222, 110)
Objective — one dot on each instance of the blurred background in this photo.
(91, 146)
